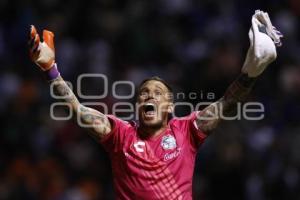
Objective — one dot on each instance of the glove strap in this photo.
(52, 73)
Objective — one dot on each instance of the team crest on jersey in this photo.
(168, 142)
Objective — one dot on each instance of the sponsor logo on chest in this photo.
(174, 154)
(168, 142)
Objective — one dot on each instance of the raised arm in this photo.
(209, 118)
(263, 38)
(43, 54)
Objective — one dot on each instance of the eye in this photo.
(158, 93)
(143, 94)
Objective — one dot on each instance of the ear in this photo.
(170, 107)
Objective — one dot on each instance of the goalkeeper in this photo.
(155, 158)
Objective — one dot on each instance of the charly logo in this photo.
(139, 146)
(168, 142)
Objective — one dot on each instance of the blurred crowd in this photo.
(197, 46)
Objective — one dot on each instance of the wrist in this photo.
(245, 80)
(52, 73)
(251, 69)
(45, 66)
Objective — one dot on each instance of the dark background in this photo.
(197, 46)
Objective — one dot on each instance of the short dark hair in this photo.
(157, 78)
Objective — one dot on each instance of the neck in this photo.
(151, 132)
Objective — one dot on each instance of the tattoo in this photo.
(83, 109)
(239, 89)
(88, 116)
(97, 122)
(63, 90)
(236, 92)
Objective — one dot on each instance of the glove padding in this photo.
(42, 53)
(262, 51)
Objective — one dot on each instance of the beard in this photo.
(156, 123)
(150, 124)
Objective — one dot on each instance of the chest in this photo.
(149, 159)
(167, 148)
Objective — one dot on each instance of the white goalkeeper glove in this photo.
(263, 38)
(42, 53)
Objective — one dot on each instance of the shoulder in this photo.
(120, 130)
(119, 121)
(122, 127)
(181, 120)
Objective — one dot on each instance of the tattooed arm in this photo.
(43, 54)
(261, 53)
(209, 118)
(97, 123)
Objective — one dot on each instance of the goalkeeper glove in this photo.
(42, 53)
(262, 51)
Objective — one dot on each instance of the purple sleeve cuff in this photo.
(52, 73)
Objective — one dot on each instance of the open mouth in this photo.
(149, 109)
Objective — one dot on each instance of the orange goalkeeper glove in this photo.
(42, 53)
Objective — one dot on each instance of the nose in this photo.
(150, 95)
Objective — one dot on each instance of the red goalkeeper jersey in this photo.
(155, 168)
